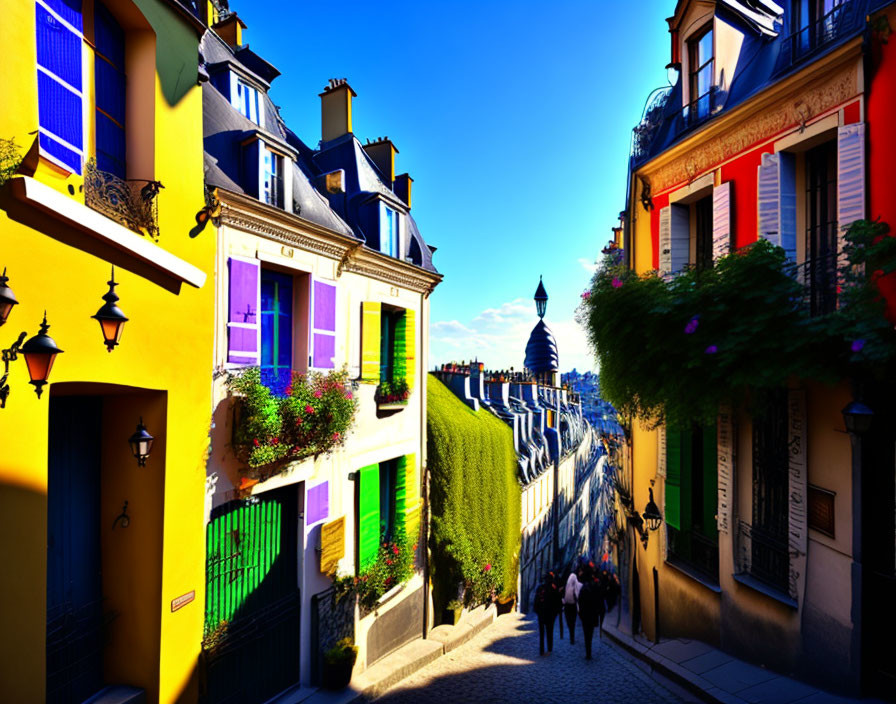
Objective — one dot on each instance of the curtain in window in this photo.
(59, 30)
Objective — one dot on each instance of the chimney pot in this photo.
(382, 152)
(230, 29)
(336, 109)
(401, 186)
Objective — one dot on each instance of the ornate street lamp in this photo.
(652, 516)
(141, 443)
(40, 353)
(541, 299)
(110, 316)
(857, 417)
(7, 298)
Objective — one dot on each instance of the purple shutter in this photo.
(318, 506)
(242, 316)
(323, 325)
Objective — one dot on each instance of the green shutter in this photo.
(399, 345)
(673, 478)
(710, 481)
(370, 341)
(368, 516)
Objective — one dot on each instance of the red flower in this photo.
(298, 421)
(317, 394)
(395, 549)
(487, 567)
(275, 441)
(309, 409)
(335, 437)
(388, 581)
(389, 562)
(255, 442)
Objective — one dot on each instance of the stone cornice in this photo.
(249, 215)
(823, 85)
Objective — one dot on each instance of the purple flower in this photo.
(691, 327)
(857, 345)
(712, 349)
(586, 295)
(617, 282)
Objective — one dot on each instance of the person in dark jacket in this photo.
(591, 608)
(546, 606)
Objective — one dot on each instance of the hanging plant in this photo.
(672, 349)
(313, 418)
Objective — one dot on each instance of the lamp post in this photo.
(40, 353)
(141, 443)
(541, 299)
(110, 316)
(7, 297)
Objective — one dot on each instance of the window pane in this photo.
(704, 80)
(704, 48)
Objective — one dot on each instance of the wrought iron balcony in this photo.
(815, 36)
(129, 202)
(695, 551)
(651, 119)
(819, 278)
(764, 556)
(701, 109)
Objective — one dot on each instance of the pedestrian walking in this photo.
(546, 607)
(570, 605)
(591, 608)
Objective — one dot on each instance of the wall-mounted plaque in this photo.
(821, 510)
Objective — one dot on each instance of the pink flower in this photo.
(317, 394)
(617, 282)
(309, 409)
(691, 327)
(348, 395)
(395, 549)
(487, 567)
(586, 295)
(335, 436)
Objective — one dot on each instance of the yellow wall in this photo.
(166, 346)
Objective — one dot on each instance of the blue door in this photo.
(74, 580)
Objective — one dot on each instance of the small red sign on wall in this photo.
(182, 600)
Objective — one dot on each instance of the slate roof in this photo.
(225, 129)
(766, 58)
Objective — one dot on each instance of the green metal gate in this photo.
(252, 612)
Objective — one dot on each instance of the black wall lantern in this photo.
(141, 444)
(7, 298)
(110, 316)
(652, 516)
(40, 353)
(541, 299)
(858, 418)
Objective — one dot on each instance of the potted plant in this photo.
(453, 612)
(338, 664)
(505, 602)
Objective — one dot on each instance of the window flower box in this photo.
(392, 395)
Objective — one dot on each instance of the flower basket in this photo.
(392, 395)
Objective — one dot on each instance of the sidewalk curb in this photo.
(672, 671)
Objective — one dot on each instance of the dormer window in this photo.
(246, 99)
(389, 231)
(701, 66)
(272, 178)
(815, 23)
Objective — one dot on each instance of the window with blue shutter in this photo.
(59, 29)
(276, 330)
(110, 94)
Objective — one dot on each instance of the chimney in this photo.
(402, 188)
(230, 29)
(382, 152)
(336, 109)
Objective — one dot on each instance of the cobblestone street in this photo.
(502, 664)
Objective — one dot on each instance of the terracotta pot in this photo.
(505, 607)
(337, 675)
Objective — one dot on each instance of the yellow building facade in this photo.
(108, 584)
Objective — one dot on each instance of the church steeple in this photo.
(541, 299)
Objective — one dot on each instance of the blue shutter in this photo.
(59, 38)
(110, 94)
(787, 203)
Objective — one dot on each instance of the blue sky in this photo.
(513, 119)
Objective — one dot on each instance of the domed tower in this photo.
(542, 360)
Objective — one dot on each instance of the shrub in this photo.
(672, 349)
(313, 418)
(343, 652)
(474, 500)
(394, 565)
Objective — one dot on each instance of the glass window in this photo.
(272, 178)
(388, 476)
(389, 228)
(248, 101)
(388, 326)
(110, 94)
(276, 330)
(700, 69)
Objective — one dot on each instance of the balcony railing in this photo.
(764, 557)
(816, 35)
(819, 278)
(129, 202)
(695, 551)
(701, 109)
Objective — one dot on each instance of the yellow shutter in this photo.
(332, 545)
(410, 338)
(370, 341)
(412, 502)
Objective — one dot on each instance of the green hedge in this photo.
(474, 498)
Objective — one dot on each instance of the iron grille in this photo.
(129, 202)
(764, 557)
(819, 278)
(695, 551)
(701, 109)
(818, 34)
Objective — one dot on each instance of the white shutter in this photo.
(721, 220)
(850, 181)
(767, 199)
(665, 239)
(776, 201)
(679, 237)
